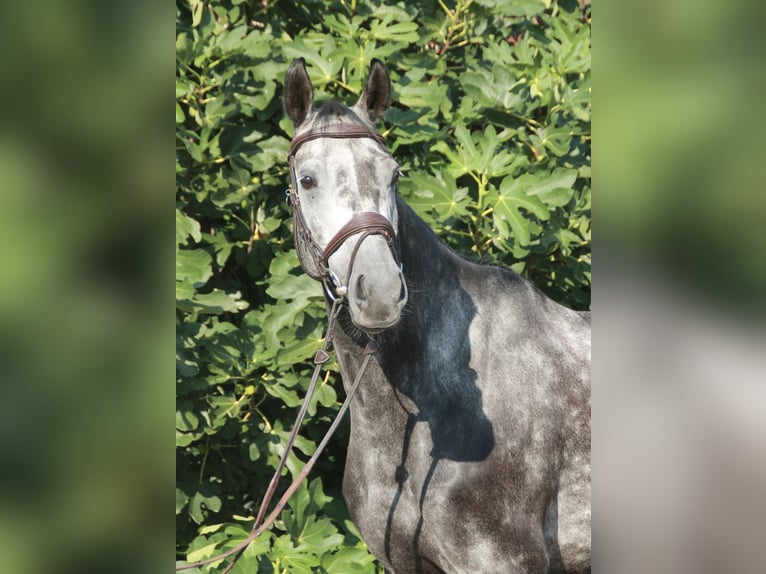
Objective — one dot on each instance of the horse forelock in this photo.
(333, 112)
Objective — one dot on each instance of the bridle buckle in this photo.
(333, 286)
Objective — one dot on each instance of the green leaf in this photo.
(317, 495)
(294, 288)
(556, 139)
(477, 153)
(283, 264)
(270, 152)
(326, 395)
(183, 87)
(231, 40)
(299, 351)
(222, 246)
(193, 266)
(514, 7)
(556, 190)
(348, 560)
(238, 533)
(186, 227)
(213, 303)
(282, 315)
(201, 503)
(556, 197)
(181, 500)
(210, 528)
(496, 88)
(186, 420)
(217, 110)
(320, 536)
(403, 32)
(436, 195)
(422, 95)
(224, 408)
(184, 439)
(207, 551)
(507, 203)
(322, 68)
(184, 47)
(184, 292)
(294, 559)
(287, 396)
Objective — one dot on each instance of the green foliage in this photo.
(491, 124)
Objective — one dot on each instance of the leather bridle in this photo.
(313, 258)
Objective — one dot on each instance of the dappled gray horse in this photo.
(470, 432)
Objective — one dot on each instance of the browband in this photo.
(338, 132)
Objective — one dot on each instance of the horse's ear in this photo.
(376, 97)
(299, 93)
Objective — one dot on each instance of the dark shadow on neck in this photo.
(427, 357)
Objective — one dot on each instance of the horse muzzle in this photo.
(375, 287)
(377, 293)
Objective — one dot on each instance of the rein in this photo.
(367, 223)
(320, 358)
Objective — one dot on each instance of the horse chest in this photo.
(401, 499)
(420, 514)
(431, 483)
(423, 496)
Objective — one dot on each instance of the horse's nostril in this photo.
(361, 292)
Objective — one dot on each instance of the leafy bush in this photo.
(491, 125)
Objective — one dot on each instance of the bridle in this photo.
(315, 260)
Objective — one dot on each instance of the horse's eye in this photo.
(307, 182)
(395, 179)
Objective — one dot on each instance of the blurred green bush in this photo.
(491, 125)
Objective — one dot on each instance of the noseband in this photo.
(315, 260)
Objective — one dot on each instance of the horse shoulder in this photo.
(531, 357)
(513, 312)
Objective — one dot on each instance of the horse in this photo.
(469, 446)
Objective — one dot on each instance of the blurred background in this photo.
(86, 319)
(679, 284)
(86, 328)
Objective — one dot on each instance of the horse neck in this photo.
(423, 366)
(430, 267)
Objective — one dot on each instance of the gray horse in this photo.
(470, 433)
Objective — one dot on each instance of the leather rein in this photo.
(366, 223)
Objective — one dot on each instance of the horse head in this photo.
(344, 198)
